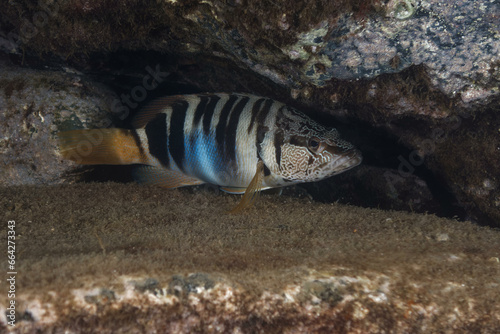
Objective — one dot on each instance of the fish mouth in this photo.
(346, 161)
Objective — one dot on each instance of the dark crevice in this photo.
(383, 149)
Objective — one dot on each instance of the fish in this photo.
(242, 143)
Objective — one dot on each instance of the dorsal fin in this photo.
(154, 108)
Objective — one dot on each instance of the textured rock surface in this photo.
(292, 44)
(457, 41)
(425, 72)
(113, 258)
(34, 105)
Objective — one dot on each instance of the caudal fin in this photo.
(101, 146)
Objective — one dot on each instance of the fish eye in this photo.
(314, 145)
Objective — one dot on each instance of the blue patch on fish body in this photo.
(203, 159)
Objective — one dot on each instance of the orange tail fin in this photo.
(102, 146)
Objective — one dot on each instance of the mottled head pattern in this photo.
(310, 151)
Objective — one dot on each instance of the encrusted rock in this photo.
(359, 303)
(193, 283)
(34, 106)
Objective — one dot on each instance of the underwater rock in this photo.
(368, 303)
(457, 41)
(293, 44)
(377, 187)
(104, 296)
(194, 283)
(468, 159)
(34, 105)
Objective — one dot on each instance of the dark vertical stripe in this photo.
(267, 172)
(176, 137)
(156, 132)
(255, 112)
(278, 141)
(221, 126)
(261, 118)
(200, 110)
(262, 129)
(232, 128)
(209, 113)
(198, 114)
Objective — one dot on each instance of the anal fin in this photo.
(164, 177)
(253, 190)
(233, 190)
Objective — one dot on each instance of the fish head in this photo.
(310, 151)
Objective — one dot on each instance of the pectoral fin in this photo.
(252, 191)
